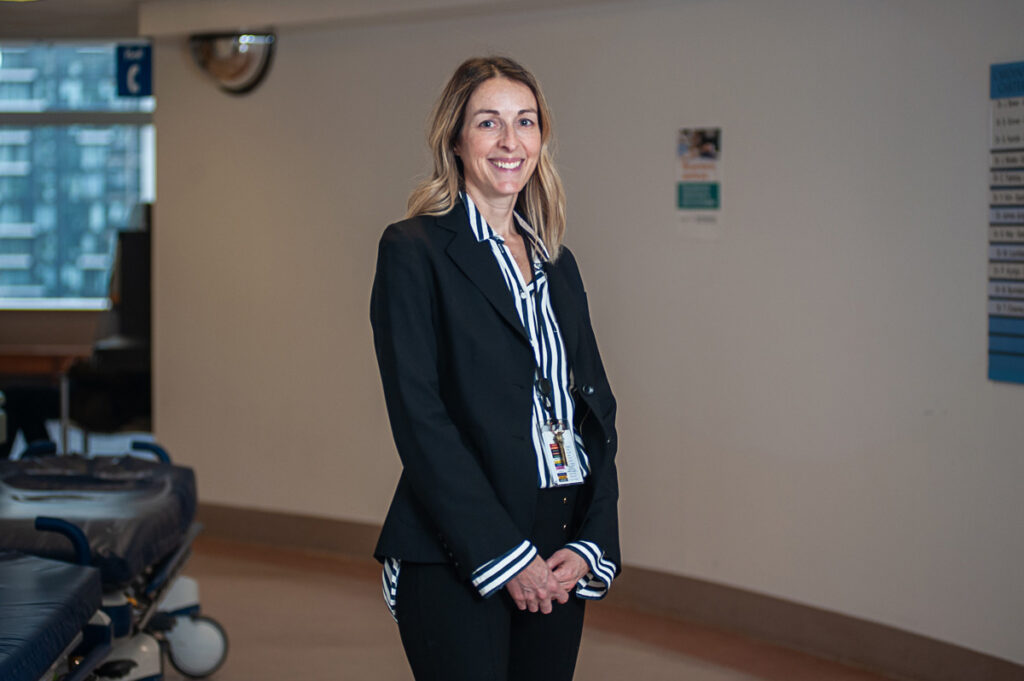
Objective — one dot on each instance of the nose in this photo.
(508, 138)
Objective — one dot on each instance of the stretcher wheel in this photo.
(196, 646)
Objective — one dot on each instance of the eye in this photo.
(527, 122)
(487, 124)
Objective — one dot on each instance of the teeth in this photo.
(507, 165)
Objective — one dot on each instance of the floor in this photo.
(294, 615)
(312, 617)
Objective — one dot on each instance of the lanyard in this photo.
(542, 382)
(558, 443)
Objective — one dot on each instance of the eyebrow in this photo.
(498, 113)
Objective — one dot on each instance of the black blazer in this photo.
(458, 371)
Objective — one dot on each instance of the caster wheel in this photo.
(196, 646)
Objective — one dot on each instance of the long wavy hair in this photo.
(541, 201)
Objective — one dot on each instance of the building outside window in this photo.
(76, 160)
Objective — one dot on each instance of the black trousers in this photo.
(450, 633)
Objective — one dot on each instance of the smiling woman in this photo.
(498, 145)
(541, 201)
(505, 518)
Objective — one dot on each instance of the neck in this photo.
(497, 212)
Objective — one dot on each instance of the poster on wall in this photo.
(699, 180)
(1006, 225)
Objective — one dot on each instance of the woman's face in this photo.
(500, 139)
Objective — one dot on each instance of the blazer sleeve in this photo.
(600, 525)
(443, 473)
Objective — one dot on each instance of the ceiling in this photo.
(112, 19)
(45, 19)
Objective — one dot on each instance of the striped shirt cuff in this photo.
(595, 584)
(493, 574)
(389, 584)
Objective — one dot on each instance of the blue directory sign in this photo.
(1006, 225)
(134, 70)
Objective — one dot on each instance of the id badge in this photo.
(560, 453)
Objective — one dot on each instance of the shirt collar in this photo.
(482, 231)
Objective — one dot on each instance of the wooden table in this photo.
(49, 362)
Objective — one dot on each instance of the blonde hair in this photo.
(541, 201)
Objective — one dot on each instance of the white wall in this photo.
(804, 406)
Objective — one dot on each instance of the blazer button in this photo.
(588, 390)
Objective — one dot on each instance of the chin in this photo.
(504, 191)
(510, 188)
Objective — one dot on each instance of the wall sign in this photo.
(134, 71)
(1006, 225)
(698, 179)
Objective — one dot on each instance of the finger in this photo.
(546, 592)
(562, 572)
(544, 596)
(559, 557)
(516, 592)
(553, 590)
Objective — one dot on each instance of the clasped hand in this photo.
(544, 581)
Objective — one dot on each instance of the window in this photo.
(75, 162)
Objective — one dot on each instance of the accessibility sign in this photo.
(134, 70)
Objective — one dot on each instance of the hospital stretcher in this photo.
(129, 522)
(49, 619)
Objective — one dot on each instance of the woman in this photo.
(504, 520)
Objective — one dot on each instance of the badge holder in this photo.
(560, 455)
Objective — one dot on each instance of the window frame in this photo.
(64, 118)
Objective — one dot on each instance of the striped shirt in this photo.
(543, 332)
(533, 305)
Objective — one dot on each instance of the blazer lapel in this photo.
(564, 306)
(475, 260)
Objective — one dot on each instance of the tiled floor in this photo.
(320, 617)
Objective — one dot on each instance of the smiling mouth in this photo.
(507, 165)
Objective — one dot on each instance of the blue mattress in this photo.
(44, 604)
(134, 512)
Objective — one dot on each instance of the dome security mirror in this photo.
(237, 62)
